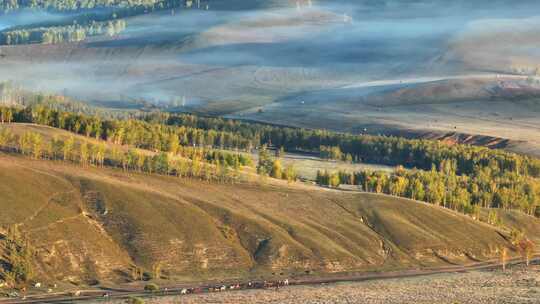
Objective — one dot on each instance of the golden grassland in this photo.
(89, 224)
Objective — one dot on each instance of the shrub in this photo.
(151, 287)
(135, 300)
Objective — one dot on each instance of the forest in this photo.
(61, 34)
(151, 131)
(182, 152)
(76, 5)
(109, 20)
(386, 150)
(460, 177)
(443, 187)
(205, 164)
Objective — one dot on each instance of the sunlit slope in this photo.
(94, 223)
(47, 207)
(510, 219)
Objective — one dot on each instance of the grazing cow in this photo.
(13, 294)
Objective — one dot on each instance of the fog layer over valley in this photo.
(375, 66)
(14, 19)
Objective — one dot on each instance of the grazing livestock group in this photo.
(237, 286)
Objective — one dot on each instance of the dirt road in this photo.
(176, 290)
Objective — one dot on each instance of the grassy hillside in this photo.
(516, 220)
(95, 223)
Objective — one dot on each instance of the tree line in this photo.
(193, 162)
(132, 132)
(12, 95)
(485, 188)
(193, 144)
(77, 5)
(61, 34)
(386, 150)
(497, 178)
(108, 20)
(152, 131)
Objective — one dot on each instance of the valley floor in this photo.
(516, 285)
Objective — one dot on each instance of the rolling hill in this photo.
(388, 67)
(95, 224)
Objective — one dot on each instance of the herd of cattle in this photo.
(249, 285)
(172, 291)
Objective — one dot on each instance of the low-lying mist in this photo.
(246, 55)
(14, 19)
